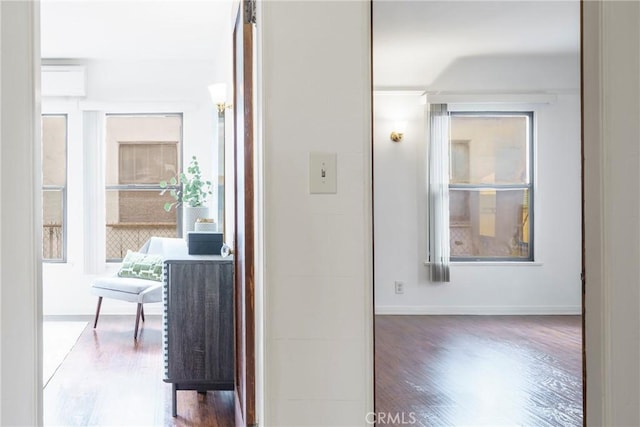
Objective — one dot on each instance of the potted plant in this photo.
(190, 191)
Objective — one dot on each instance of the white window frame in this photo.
(86, 156)
(488, 111)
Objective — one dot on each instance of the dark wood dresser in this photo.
(198, 323)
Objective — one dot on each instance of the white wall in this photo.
(315, 86)
(612, 210)
(20, 308)
(115, 86)
(552, 283)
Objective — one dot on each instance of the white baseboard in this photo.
(109, 307)
(478, 310)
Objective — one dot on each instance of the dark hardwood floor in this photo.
(438, 370)
(108, 379)
(479, 370)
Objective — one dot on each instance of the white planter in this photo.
(190, 215)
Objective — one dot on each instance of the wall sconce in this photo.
(218, 92)
(398, 131)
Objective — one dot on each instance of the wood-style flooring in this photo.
(479, 370)
(434, 370)
(108, 379)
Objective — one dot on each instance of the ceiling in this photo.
(415, 40)
(135, 29)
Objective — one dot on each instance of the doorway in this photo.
(479, 58)
(134, 59)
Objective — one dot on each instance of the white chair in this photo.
(140, 291)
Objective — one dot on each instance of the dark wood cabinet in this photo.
(198, 323)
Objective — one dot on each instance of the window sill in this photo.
(493, 264)
(497, 263)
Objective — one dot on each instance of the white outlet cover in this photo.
(399, 287)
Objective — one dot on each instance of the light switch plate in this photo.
(323, 173)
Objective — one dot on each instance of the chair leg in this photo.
(142, 312)
(174, 400)
(135, 332)
(95, 322)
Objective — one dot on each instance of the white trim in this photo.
(478, 310)
(603, 228)
(261, 311)
(398, 92)
(496, 264)
(367, 199)
(64, 105)
(94, 194)
(36, 217)
(490, 98)
(493, 264)
(139, 107)
(476, 107)
(21, 220)
(59, 106)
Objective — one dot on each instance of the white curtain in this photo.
(438, 187)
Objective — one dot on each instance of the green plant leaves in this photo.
(193, 190)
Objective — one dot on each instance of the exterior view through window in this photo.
(141, 151)
(490, 186)
(54, 190)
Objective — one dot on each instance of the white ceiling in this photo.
(135, 29)
(415, 40)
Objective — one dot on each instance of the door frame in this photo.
(598, 325)
(582, 200)
(244, 215)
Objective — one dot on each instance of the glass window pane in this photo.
(54, 150)
(53, 224)
(147, 163)
(135, 148)
(489, 149)
(54, 177)
(489, 223)
(133, 216)
(140, 150)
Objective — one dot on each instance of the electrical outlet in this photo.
(399, 287)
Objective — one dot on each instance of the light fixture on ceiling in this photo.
(398, 131)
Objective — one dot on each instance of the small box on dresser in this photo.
(204, 242)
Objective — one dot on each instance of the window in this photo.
(54, 187)
(490, 186)
(142, 150)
